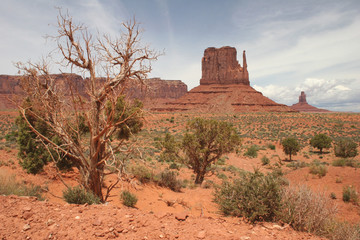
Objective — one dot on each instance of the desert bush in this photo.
(168, 179)
(350, 195)
(290, 146)
(343, 231)
(142, 173)
(297, 164)
(78, 195)
(255, 196)
(9, 186)
(332, 195)
(321, 141)
(128, 199)
(252, 151)
(265, 160)
(306, 211)
(342, 162)
(345, 148)
(271, 146)
(318, 168)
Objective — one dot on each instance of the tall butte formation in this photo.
(303, 106)
(224, 87)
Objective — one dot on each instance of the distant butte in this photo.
(224, 87)
(303, 106)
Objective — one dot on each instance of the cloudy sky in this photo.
(291, 46)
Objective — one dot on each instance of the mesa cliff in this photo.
(151, 91)
(224, 87)
(303, 106)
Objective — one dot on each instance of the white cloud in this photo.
(323, 93)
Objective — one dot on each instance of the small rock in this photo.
(26, 227)
(111, 229)
(27, 215)
(77, 217)
(201, 235)
(97, 222)
(245, 238)
(27, 209)
(181, 216)
(161, 236)
(50, 222)
(275, 226)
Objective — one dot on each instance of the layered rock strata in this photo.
(224, 87)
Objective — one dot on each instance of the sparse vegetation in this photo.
(9, 186)
(350, 195)
(168, 179)
(252, 151)
(78, 195)
(318, 169)
(265, 160)
(128, 199)
(342, 162)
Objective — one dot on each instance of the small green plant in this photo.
(297, 164)
(168, 179)
(332, 195)
(222, 176)
(252, 151)
(78, 195)
(128, 199)
(271, 146)
(265, 160)
(345, 148)
(350, 195)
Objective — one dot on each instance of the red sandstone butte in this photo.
(303, 106)
(224, 87)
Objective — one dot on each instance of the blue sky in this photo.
(291, 46)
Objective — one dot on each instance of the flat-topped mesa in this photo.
(302, 97)
(220, 66)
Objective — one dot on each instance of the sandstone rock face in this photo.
(151, 92)
(224, 88)
(303, 106)
(302, 97)
(220, 66)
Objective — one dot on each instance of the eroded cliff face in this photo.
(150, 92)
(224, 88)
(220, 66)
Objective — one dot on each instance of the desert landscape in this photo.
(100, 149)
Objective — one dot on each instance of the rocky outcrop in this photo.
(224, 87)
(220, 66)
(303, 106)
(150, 92)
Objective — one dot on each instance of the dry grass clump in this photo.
(306, 210)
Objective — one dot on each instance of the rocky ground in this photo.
(28, 218)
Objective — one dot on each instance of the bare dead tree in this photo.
(104, 112)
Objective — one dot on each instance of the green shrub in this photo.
(168, 179)
(306, 210)
(332, 195)
(252, 151)
(318, 169)
(78, 195)
(271, 146)
(265, 160)
(128, 199)
(321, 141)
(345, 148)
(254, 196)
(142, 173)
(350, 195)
(9, 186)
